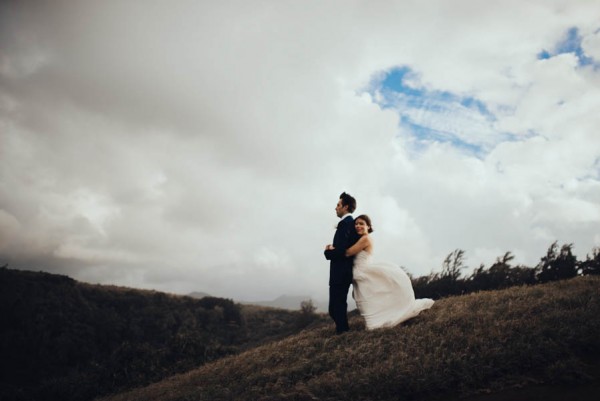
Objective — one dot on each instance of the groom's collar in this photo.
(346, 215)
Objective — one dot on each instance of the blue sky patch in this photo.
(432, 115)
(570, 43)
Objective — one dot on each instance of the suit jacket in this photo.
(340, 266)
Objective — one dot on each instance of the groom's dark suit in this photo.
(340, 272)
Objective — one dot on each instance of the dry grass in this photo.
(463, 345)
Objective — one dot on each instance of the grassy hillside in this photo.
(65, 340)
(464, 345)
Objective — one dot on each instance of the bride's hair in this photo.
(367, 220)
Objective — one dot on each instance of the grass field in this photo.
(465, 346)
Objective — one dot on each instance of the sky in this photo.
(202, 146)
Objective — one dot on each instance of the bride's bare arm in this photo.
(361, 244)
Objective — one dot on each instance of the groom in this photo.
(340, 267)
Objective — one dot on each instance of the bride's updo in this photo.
(367, 220)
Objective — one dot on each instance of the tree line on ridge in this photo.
(559, 263)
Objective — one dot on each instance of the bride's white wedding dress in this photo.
(383, 293)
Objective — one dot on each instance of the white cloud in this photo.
(591, 45)
(202, 146)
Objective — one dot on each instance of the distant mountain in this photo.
(198, 295)
(290, 302)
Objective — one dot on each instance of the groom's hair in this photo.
(348, 200)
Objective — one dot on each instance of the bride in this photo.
(382, 291)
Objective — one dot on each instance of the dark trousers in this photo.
(338, 306)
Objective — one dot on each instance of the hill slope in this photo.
(463, 345)
(65, 340)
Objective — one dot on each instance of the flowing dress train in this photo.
(383, 293)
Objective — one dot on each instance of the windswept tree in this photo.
(557, 264)
(307, 313)
(591, 264)
(308, 307)
(501, 275)
(447, 282)
(453, 264)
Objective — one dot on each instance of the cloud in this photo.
(591, 46)
(200, 146)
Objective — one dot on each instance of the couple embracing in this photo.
(382, 291)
